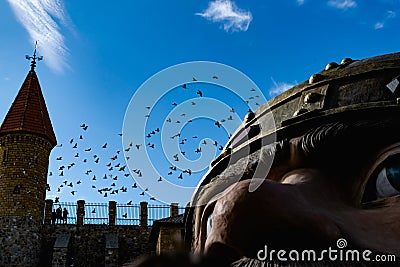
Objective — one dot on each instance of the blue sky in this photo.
(97, 54)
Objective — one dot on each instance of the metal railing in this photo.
(96, 213)
(126, 214)
(156, 212)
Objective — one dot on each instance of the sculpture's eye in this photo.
(386, 182)
(209, 224)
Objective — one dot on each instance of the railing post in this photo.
(80, 212)
(173, 209)
(112, 212)
(48, 210)
(143, 213)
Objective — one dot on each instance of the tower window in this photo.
(17, 189)
(36, 157)
(4, 156)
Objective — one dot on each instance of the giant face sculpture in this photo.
(321, 164)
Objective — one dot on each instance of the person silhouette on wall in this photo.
(53, 217)
(59, 214)
(65, 215)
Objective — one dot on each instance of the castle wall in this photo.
(87, 245)
(20, 241)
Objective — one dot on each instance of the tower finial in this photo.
(34, 57)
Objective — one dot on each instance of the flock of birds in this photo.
(115, 177)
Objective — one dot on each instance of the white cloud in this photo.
(300, 2)
(227, 13)
(342, 4)
(379, 25)
(389, 15)
(280, 87)
(42, 19)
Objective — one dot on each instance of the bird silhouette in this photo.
(159, 179)
(122, 168)
(75, 146)
(129, 203)
(215, 77)
(104, 146)
(94, 210)
(59, 158)
(200, 93)
(125, 215)
(134, 185)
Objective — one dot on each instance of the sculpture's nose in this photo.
(275, 215)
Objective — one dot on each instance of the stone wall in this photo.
(87, 245)
(24, 160)
(19, 241)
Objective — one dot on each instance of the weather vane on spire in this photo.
(33, 62)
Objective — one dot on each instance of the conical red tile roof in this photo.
(28, 113)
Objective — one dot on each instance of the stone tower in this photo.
(26, 140)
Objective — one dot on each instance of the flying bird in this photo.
(199, 93)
